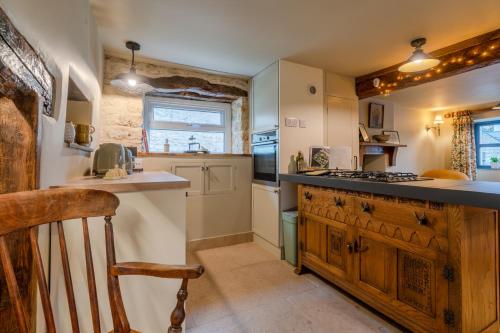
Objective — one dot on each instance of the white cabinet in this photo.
(342, 125)
(207, 177)
(265, 213)
(265, 97)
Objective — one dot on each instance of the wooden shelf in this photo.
(74, 145)
(381, 144)
(379, 148)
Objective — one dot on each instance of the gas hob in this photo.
(375, 176)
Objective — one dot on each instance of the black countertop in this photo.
(460, 192)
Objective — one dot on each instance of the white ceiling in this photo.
(474, 89)
(350, 37)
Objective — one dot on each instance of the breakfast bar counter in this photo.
(149, 226)
(425, 253)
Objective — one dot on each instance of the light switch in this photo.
(291, 122)
(303, 123)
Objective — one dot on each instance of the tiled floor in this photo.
(244, 289)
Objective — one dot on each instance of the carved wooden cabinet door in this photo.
(339, 250)
(314, 240)
(375, 266)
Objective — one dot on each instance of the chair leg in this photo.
(178, 315)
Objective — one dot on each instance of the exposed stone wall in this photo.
(121, 117)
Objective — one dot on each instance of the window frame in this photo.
(478, 124)
(152, 101)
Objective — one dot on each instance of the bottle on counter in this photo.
(301, 163)
(166, 146)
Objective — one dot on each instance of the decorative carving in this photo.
(415, 282)
(22, 70)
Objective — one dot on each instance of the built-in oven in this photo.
(265, 158)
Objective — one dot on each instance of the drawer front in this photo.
(327, 203)
(418, 224)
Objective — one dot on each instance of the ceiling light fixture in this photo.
(131, 81)
(419, 60)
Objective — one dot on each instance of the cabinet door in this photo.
(219, 178)
(265, 213)
(194, 172)
(339, 253)
(265, 96)
(342, 125)
(314, 240)
(375, 264)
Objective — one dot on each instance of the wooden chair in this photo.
(28, 210)
(445, 174)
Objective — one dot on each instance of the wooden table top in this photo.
(138, 181)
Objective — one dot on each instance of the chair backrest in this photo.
(28, 210)
(445, 174)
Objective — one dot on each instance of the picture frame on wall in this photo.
(319, 157)
(375, 115)
(363, 133)
(393, 137)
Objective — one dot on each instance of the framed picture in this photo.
(363, 133)
(394, 136)
(319, 156)
(375, 115)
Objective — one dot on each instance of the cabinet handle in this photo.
(365, 207)
(338, 202)
(422, 219)
(358, 249)
(350, 247)
(308, 196)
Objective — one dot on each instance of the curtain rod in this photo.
(465, 112)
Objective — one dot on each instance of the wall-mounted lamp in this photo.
(438, 120)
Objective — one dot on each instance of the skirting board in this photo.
(275, 251)
(219, 241)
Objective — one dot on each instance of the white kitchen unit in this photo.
(265, 99)
(149, 226)
(219, 198)
(266, 217)
(342, 126)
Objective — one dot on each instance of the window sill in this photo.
(193, 155)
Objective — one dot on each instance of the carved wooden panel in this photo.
(416, 282)
(337, 248)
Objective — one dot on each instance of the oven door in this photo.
(265, 163)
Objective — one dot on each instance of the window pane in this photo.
(187, 116)
(485, 153)
(179, 140)
(489, 134)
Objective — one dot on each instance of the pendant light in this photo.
(419, 61)
(131, 81)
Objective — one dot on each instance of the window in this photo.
(487, 142)
(178, 120)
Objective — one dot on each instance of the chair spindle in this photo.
(178, 315)
(89, 263)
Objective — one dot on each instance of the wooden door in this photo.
(220, 177)
(339, 250)
(314, 240)
(265, 96)
(18, 158)
(375, 266)
(194, 172)
(265, 213)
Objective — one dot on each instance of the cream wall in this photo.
(423, 147)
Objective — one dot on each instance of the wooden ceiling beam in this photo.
(473, 53)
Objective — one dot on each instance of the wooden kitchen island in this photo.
(423, 253)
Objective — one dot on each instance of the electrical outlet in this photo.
(291, 122)
(302, 123)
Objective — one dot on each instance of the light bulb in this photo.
(132, 82)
